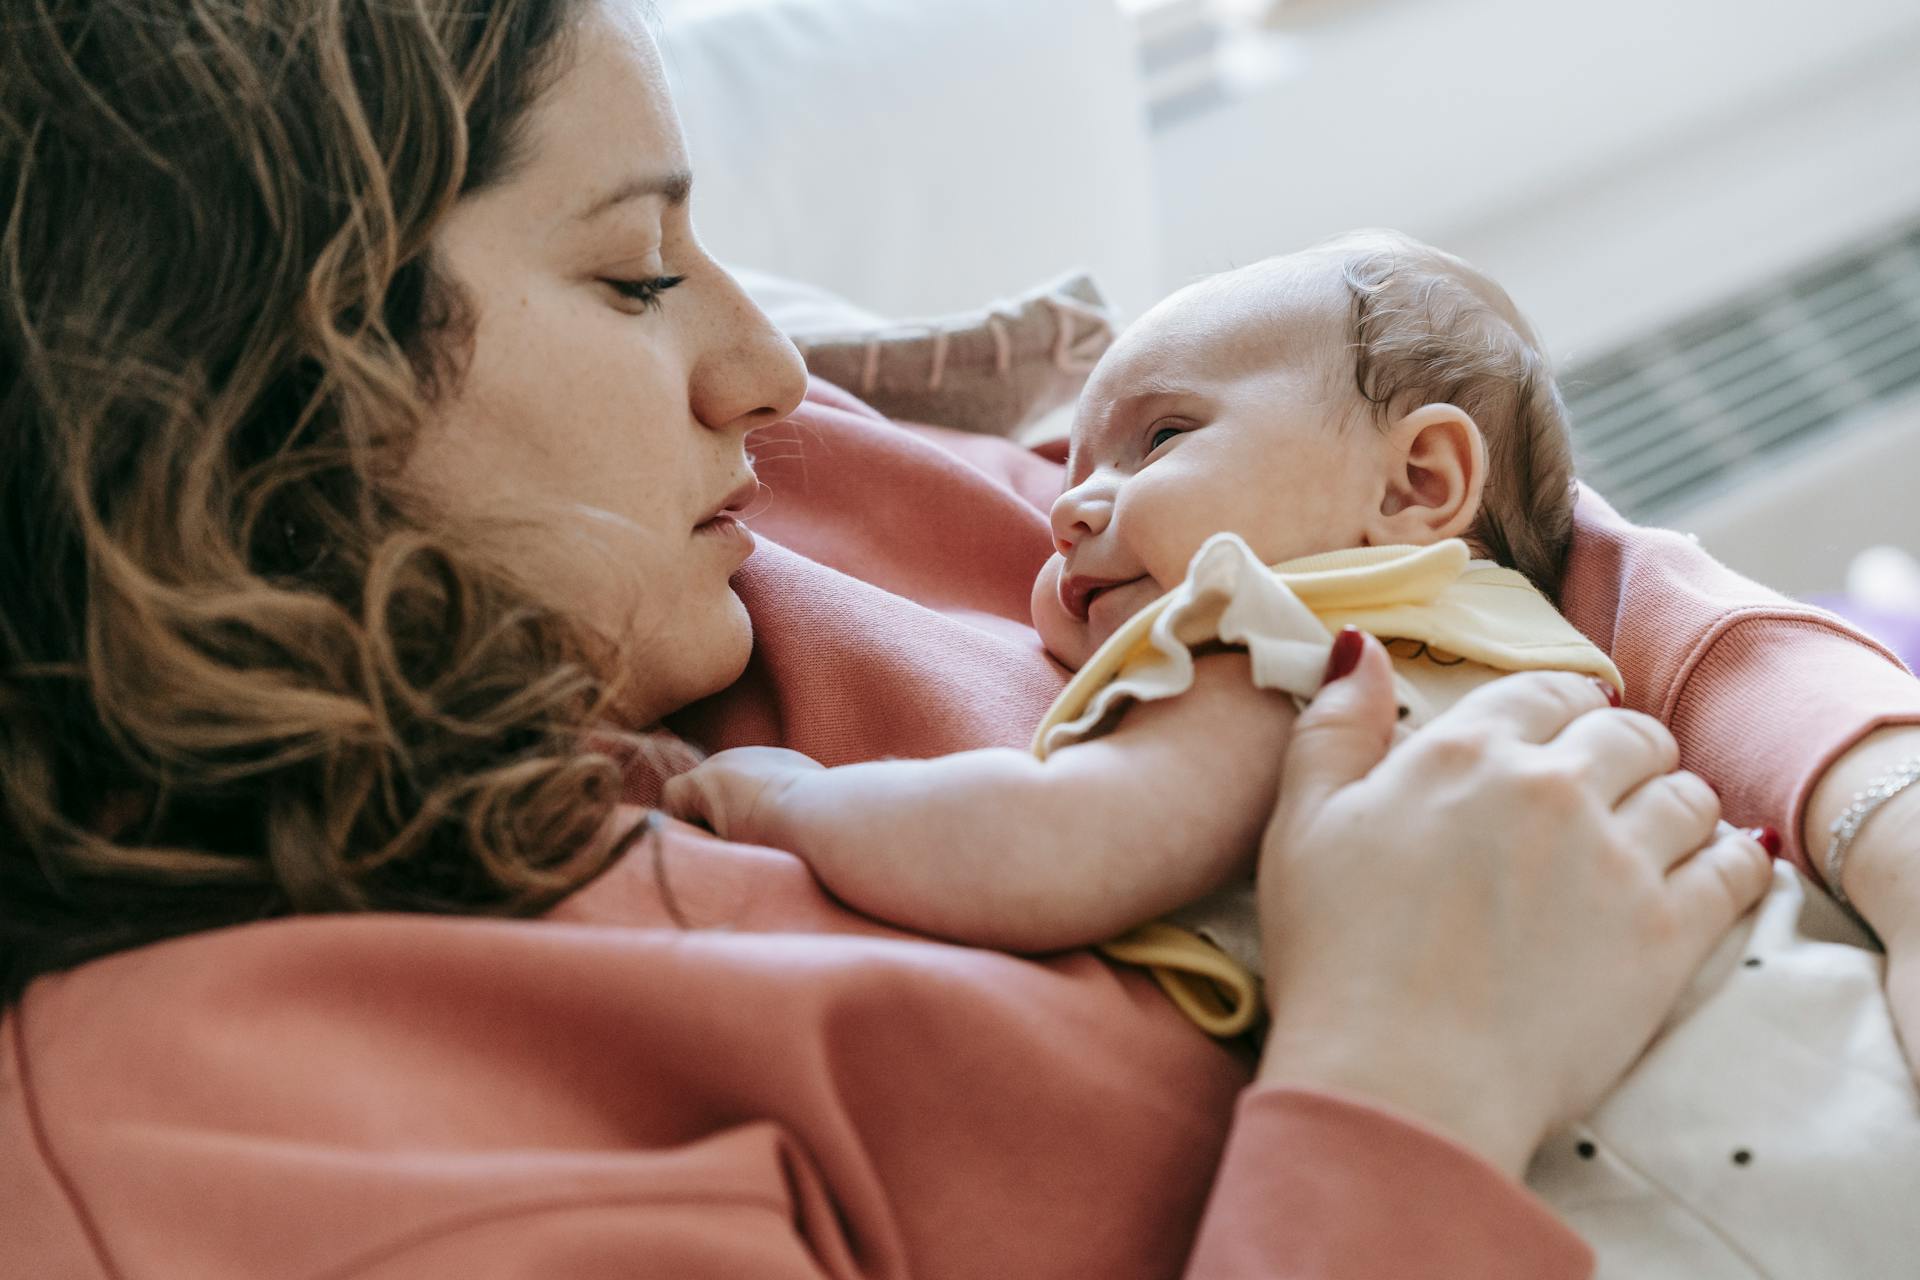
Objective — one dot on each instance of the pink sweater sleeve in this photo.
(1330, 1187)
(1762, 693)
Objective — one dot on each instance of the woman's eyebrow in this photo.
(676, 187)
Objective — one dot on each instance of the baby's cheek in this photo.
(1165, 527)
(1065, 636)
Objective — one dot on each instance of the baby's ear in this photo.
(1436, 469)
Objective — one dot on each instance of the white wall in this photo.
(1612, 164)
(919, 156)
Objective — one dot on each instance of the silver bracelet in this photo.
(1865, 803)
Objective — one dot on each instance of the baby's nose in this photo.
(1078, 514)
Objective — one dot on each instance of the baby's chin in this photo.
(1111, 609)
(1065, 636)
(1071, 656)
(1073, 641)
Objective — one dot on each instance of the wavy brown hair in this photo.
(243, 672)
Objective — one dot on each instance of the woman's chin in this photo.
(736, 649)
(719, 655)
(675, 667)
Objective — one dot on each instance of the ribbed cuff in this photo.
(1766, 707)
(1332, 1187)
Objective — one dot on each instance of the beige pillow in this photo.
(997, 371)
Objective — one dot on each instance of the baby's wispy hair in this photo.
(1427, 328)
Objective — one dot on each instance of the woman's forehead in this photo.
(606, 125)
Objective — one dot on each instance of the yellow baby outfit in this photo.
(1452, 623)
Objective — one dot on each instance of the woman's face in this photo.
(615, 372)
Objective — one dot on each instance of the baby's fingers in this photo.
(686, 799)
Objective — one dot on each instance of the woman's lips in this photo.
(731, 506)
(724, 525)
(725, 528)
(1077, 593)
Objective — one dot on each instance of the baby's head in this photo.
(1369, 391)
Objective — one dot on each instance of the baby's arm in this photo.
(996, 848)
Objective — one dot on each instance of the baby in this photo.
(1367, 434)
(1372, 398)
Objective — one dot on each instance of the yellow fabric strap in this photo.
(1215, 991)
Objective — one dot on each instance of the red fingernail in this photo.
(1345, 655)
(1606, 687)
(1767, 838)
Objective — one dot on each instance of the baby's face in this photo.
(1229, 407)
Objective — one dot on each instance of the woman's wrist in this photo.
(1419, 1077)
(1879, 875)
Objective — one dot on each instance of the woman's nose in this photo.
(748, 374)
(1080, 512)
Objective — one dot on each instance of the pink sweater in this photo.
(786, 1089)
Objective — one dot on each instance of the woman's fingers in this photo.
(1670, 817)
(1344, 732)
(1532, 706)
(1617, 751)
(1717, 885)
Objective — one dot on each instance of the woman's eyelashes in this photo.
(646, 292)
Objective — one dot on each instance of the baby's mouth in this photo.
(1078, 593)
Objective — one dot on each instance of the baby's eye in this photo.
(1161, 435)
(645, 292)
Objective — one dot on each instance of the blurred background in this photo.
(1710, 208)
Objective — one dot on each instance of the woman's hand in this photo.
(736, 794)
(1485, 928)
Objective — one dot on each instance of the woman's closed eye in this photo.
(645, 291)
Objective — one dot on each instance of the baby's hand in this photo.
(736, 794)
